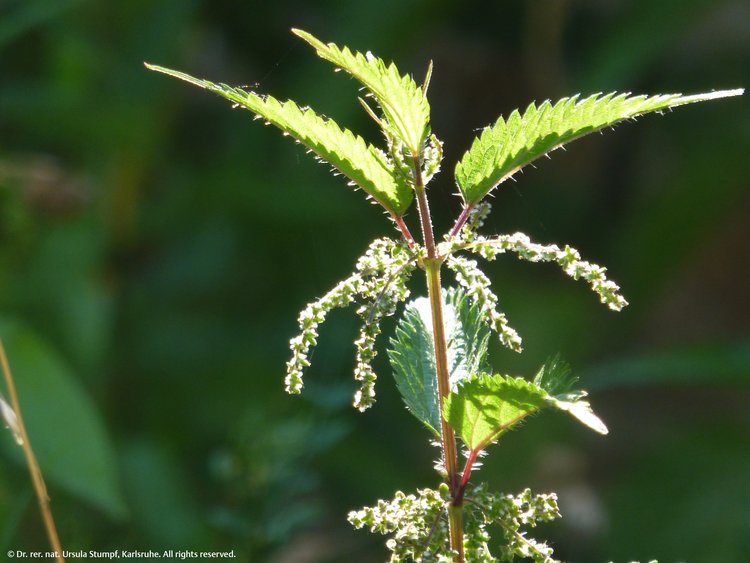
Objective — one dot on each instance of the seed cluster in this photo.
(418, 526)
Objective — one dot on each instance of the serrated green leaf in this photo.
(412, 358)
(581, 410)
(403, 102)
(365, 165)
(468, 336)
(509, 145)
(485, 407)
(412, 352)
(555, 377)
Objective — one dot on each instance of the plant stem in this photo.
(462, 218)
(34, 469)
(432, 266)
(404, 230)
(450, 457)
(467, 473)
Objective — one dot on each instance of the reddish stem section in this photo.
(461, 221)
(404, 230)
(467, 473)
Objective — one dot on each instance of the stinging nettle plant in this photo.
(439, 353)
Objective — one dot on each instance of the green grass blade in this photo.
(510, 144)
(364, 165)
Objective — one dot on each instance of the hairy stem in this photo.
(434, 290)
(424, 215)
(34, 469)
(467, 473)
(456, 526)
(461, 221)
(404, 230)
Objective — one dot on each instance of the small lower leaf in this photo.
(582, 411)
(487, 406)
(555, 377)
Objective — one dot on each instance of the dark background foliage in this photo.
(156, 246)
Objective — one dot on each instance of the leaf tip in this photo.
(309, 38)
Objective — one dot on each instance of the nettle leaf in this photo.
(507, 146)
(365, 165)
(412, 358)
(486, 406)
(468, 336)
(403, 102)
(412, 352)
(555, 377)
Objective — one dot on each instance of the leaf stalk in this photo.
(461, 220)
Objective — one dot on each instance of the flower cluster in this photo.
(419, 529)
(385, 268)
(380, 284)
(512, 513)
(477, 286)
(568, 258)
(476, 219)
(417, 523)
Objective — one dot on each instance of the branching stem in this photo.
(404, 231)
(461, 220)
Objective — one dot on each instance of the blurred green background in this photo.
(156, 246)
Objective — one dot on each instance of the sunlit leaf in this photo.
(403, 102)
(510, 144)
(364, 165)
(485, 407)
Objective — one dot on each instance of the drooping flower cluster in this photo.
(477, 286)
(568, 258)
(419, 528)
(379, 283)
(416, 521)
